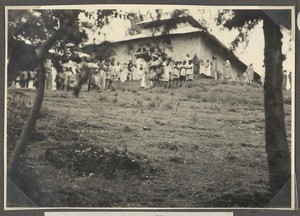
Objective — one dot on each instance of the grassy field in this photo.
(201, 146)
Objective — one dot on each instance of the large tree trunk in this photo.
(279, 160)
(29, 125)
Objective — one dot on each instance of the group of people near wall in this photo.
(206, 69)
(165, 72)
(156, 71)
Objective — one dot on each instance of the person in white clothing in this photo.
(287, 79)
(118, 70)
(167, 73)
(250, 72)
(208, 69)
(227, 74)
(202, 69)
(124, 73)
(53, 80)
(142, 73)
(18, 81)
(190, 72)
(32, 79)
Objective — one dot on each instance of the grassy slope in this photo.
(206, 144)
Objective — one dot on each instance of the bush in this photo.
(115, 100)
(103, 98)
(127, 129)
(86, 158)
(169, 105)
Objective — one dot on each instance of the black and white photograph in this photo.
(149, 106)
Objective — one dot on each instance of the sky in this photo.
(253, 53)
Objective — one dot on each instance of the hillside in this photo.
(201, 146)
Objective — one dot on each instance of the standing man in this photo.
(155, 70)
(48, 66)
(130, 70)
(250, 72)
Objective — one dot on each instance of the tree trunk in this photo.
(279, 160)
(29, 125)
(23, 140)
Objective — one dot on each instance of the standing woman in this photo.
(118, 72)
(124, 72)
(182, 72)
(142, 74)
(189, 72)
(202, 68)
(102, 75)
(166, 73)
(208, 69)
(227, 70)
(250, 72)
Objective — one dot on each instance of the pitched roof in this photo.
(185, 30)
(196, 27)
(190, 19)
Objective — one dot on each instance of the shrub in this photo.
(103, 98)
(151, 105)
(115, 100)
(147, 98)
(169, 105)
(127, 129)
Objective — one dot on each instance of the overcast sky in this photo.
(253, 53)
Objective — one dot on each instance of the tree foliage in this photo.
(41, 30)
(245, 20)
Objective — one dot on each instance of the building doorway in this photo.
(141, 52)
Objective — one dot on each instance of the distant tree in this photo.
(279, 160)
(134, 20)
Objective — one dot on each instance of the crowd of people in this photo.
(152, 72)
